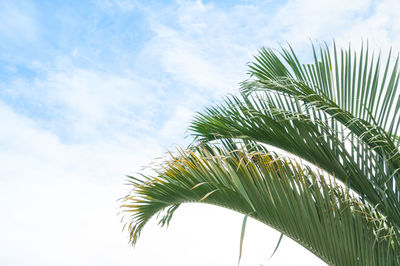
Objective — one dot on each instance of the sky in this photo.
(92, 91)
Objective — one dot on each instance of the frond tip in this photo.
(292, 198)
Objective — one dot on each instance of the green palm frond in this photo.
(283, 107)
(340, 113)
(299, 135)
(295, 200)
(353, 80)
(345, 84)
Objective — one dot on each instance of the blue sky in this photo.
(93, 90)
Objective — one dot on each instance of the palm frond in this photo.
(346, 84)
(352, 80)
(292, 132)
(295, 200)
(307, 110)
(340, 113)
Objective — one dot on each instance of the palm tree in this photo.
(335, 188)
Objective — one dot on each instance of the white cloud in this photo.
(299, 20)
(380, 28)
(61, 198)
(85, 102)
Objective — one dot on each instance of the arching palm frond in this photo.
(300, 134)
(340, 113)
(293, 199)
(347, 85)
(307, 109)
(354, 81)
